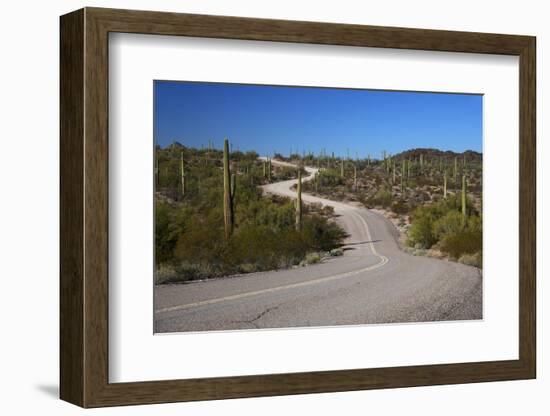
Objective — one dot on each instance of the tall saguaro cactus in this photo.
(403, 168)
(317, 181)
(233, 187)
(464, 196)
(182, 168)
(455, 175)
(342, 168)
(445, 184)
(227, 200)
(299, 202)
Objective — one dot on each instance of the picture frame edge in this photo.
(84, 213)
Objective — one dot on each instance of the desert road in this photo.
(373, 282)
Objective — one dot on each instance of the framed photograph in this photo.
(255, 207)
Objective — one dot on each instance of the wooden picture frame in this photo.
(84, 207)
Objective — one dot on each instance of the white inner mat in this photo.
(135, 354)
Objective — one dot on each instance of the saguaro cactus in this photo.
(233, 187)
(227, 200)
(269, 170)
(445, 184)
(182, 168)
(299, 202)
(403, 168)
(455, 174)
(317, 181)
(342, 168)
(464, 196)
(421, 162)
(355, 178)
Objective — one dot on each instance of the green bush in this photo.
(443, 224)
(382, 198)
(165, 273)
(450, 223)
(400, 207)
(421, 233)
(471, 259)
(462, 242)
(312, 258)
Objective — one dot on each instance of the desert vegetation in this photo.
(212, 220)
(434, 197)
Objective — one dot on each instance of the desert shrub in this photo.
(283, 173)
(320, 234)
(452, 222)
(165, 274)
(400, 207)
(421, 233)
(443, 223)
(383, 197)
(170, 222)
(328, 210)
(312, 258)
(329, 177)
(462, 242)
(471, 259)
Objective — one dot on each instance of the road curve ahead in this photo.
(373, 282)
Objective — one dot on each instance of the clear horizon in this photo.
(358, 123)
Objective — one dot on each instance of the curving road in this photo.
(373, 282)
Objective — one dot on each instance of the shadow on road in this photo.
(362, 242)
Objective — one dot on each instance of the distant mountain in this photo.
(429, 153)
(175, 145)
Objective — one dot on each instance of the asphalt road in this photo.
(373, 282)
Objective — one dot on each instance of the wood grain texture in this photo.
(527, 208)
(84, 207)
(71, 213)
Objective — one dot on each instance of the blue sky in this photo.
(273, 118)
